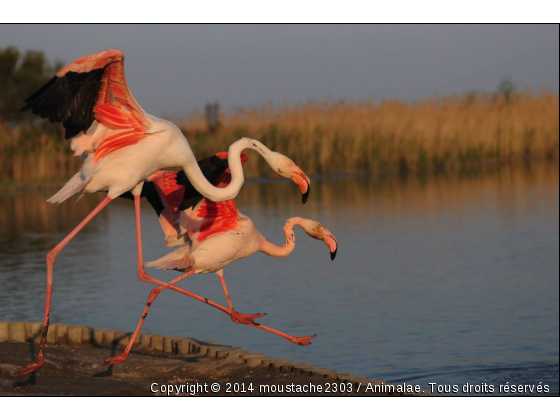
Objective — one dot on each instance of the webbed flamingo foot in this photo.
(302, 341)
(247, 319)
(114, 360)
(31, 367)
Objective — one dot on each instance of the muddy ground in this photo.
(80, 371)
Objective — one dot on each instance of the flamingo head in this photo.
(302, 180)
(286, 168)
(318, 231)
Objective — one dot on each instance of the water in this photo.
(449, 280)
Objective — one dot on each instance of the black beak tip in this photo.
(333, 254)
(305, 196)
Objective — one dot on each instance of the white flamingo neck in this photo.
(213, 193)
(283, 251)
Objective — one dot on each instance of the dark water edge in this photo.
(450, 279)
(475, 169)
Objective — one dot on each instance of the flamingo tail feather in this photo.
(176, 260)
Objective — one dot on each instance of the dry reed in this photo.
(325, 138)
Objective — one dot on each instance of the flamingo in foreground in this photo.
(213, 235)
(122, 145)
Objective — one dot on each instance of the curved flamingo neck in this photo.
(201, 184)
(283, 251)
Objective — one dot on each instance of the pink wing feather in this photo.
(91, 98)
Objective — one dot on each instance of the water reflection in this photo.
(451, 279)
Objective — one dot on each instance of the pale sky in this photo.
(173, 69)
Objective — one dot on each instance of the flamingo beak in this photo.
(305, 195)
(331, 242)
(300, 178)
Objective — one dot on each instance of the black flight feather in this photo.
(69, 99)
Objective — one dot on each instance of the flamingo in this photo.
(121, 146)
(212, 236)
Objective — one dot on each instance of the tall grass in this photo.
(35, 153)
(325, 138)
(392, 137)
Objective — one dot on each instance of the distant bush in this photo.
(507, 90)
(20, 76)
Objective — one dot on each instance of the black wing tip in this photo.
(69, 99)
(38, 92)
(28, 106)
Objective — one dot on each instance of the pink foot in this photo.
(114, 360)
(303, 341)
(31, 367)
(244, 318)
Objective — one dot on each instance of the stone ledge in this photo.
(30, 332)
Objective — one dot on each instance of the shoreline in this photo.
(77, 354)
(18, 186)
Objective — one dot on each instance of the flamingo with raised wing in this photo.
(122, 145)
(213, 235)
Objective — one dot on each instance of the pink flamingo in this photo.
(213, 235)
(121, 146)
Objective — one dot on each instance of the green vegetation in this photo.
(20, 76)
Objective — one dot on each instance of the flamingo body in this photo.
(216, 234)
(125, 168)
(216, 251)
(122, 146)
(212, 236)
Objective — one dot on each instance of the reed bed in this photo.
(35, 154)
(390, 137)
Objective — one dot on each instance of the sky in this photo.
(175, 69)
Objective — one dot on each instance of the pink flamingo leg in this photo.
(153, 294)
(51, 259)
(226, 293)
(237, 316)
(301, 341)
(247, 319)
(144, 276)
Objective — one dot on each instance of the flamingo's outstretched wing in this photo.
(91, 98)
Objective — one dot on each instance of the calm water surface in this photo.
(449, 280)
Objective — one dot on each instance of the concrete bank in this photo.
(76, 353)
